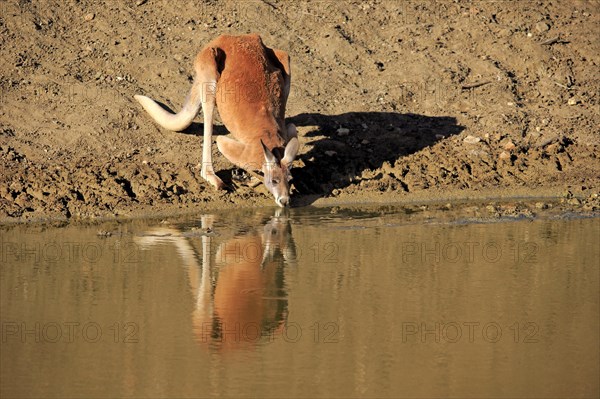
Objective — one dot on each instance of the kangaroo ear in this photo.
(269, 157)
(291, 149)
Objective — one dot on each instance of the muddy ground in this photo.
(394, 101)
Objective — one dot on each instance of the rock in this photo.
(471, 139)
(89, 17)
(343, 131)
(365, 141)
(330, 153)
(505, 32)
(573, 101)
(542, 27)
(509, 146)
(504, 156)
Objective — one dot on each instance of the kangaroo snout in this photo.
(283, 201)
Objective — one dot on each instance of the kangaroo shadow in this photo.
(345, 145)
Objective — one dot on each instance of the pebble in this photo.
(542, 27)
(573, 101)
(509, 146)
(343, 131)
(505, 32)
(504, 155)
(89, 17)
(330, 153)
(471, 139)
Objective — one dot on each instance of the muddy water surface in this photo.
(384, 302)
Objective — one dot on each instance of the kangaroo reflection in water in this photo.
(240, 299)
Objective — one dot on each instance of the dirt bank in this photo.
(395, 101)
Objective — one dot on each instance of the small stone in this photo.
(505, 32)
(89, 17)
(330, 153)
(510, 103)
(509, 146)
(471, 139)
(365, 141)
(573, 101)
(439, 136)
(574, 201)
(542, 27)
(541, 205)
(504, 156)
(343, 131)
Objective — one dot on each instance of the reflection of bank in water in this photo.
(240, 298)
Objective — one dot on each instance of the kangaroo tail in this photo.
(180, 120)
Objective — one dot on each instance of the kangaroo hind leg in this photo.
(207, 75)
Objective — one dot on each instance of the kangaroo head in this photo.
(276, 170)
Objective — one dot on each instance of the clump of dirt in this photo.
(393, 100)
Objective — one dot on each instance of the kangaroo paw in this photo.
(213, 179)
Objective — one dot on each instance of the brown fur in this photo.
(249, 84)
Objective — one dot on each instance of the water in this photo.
(382, 302)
